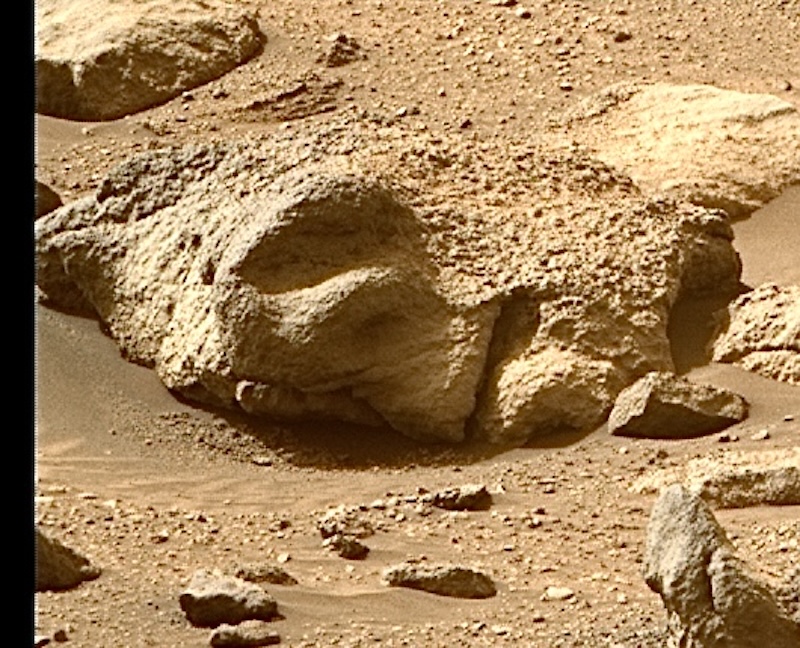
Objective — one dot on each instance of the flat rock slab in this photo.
(664, 406)
(443, 580)
(103, 59)
(717, 148)
(59, 567)
(212, 599)
(734, 480)
(761, 333)
(710, 596)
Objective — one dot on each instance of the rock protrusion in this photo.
(710, 598)
(59, 567)
(662, 405)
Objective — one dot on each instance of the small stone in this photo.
(727, 437)
(622, 36)
(788, 418)
(522, 12)
(465, 123)
(444, 580)
(761, 435)
(566, 86)
(249, 634)
(39, 641)
(554, 593)
(283, 558)
(471, 497)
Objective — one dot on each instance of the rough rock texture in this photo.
(713, 147)
(58, 567)
(105, 59)
(761, 333)
(248, 634)
(470, 497)
(735, 479)
(212, 599)
(665, 406)
(444, 580)
(710, 598)
(272, 574)
(346, 547)
(346, 273)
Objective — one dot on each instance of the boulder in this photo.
(760, 332)
(212, 599)
(103, 59)
(665, 406)
(321, 274)
(735, 479)
(717, 148)
(443, 580)
(59, 567)
(710, 597)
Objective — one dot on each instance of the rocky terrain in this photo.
(334, 302)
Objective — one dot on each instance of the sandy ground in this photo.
(152, 489)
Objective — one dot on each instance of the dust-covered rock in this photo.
(710, 597)
(105, 59)
(760, 332)
(665, 406)
(717, 148)
(59, 567)
(444, 580)
(212, 599)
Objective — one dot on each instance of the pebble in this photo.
(761, 435)
(521, 12)
(554, 593)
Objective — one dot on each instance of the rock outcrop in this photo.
(59, 567)
(713, 147)
(212, 599)
(665, 406)
(760, 332)
(710, 597)
(105, 59)
(444, 580)
(339, 273)
(735, 479)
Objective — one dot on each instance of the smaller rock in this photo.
(522, 12)
(347, 547)
(471, 497)
(443, 580)
(342, 521)
(249, 634)
(664, 406)
(761, 435)
(343, 49)
(622, 36)
(212, 599)
(725, 437)
(39, 641)
(271, 574)
(554, 593)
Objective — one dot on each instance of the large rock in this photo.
(713, 147)
(212, 599)
(665, 406)
(761, 333)
(710, 597)
(444, 580)
(59, 567)
(336, 272)
(103, 59)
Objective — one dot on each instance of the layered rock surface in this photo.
(105, 59)
(344, 273)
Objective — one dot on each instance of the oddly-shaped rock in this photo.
(735, 479)
(710, 598)
(105, 59)
(347, 547)
(342, 521)
(470, 497)
(716, 148)
(342, 49)
(46, 200)
(335, 273)
(271, 574)
(665, 406)
(212, 599)
(59, 567)
(248, 634)
(444, 580)
(761, 333)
